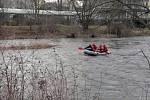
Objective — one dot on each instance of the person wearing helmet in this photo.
(91, 47)
(94, 47)
(100, 49)
(103, 48)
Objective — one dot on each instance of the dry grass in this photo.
(34, 32)
(23, 32)
(141, 32)
(31, 46)
(20, 82)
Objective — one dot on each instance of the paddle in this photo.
(80, 48)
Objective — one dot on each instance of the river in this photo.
(122, 75)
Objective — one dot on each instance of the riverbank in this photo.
(67, 31)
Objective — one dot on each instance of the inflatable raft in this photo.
(92, 53)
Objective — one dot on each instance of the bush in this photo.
(120, 30)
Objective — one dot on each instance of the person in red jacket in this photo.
(103, 48)
(100, 49)
(91, 47)
(94, 47)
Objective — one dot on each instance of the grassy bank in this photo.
(27, 47)
(22, 32)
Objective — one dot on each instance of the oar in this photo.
(80, 48)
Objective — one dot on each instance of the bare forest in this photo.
(116, 17)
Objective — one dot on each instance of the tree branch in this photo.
(148, 61)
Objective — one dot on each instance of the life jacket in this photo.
(100, 48)
(105, 48)
(94, 47)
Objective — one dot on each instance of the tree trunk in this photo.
(85, 27)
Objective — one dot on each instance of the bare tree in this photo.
(128, 10)
(84, 13)
(115, 9)
(1, 11)
(59, 5)
(36, 7)
(136, 9)
(87, 9)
